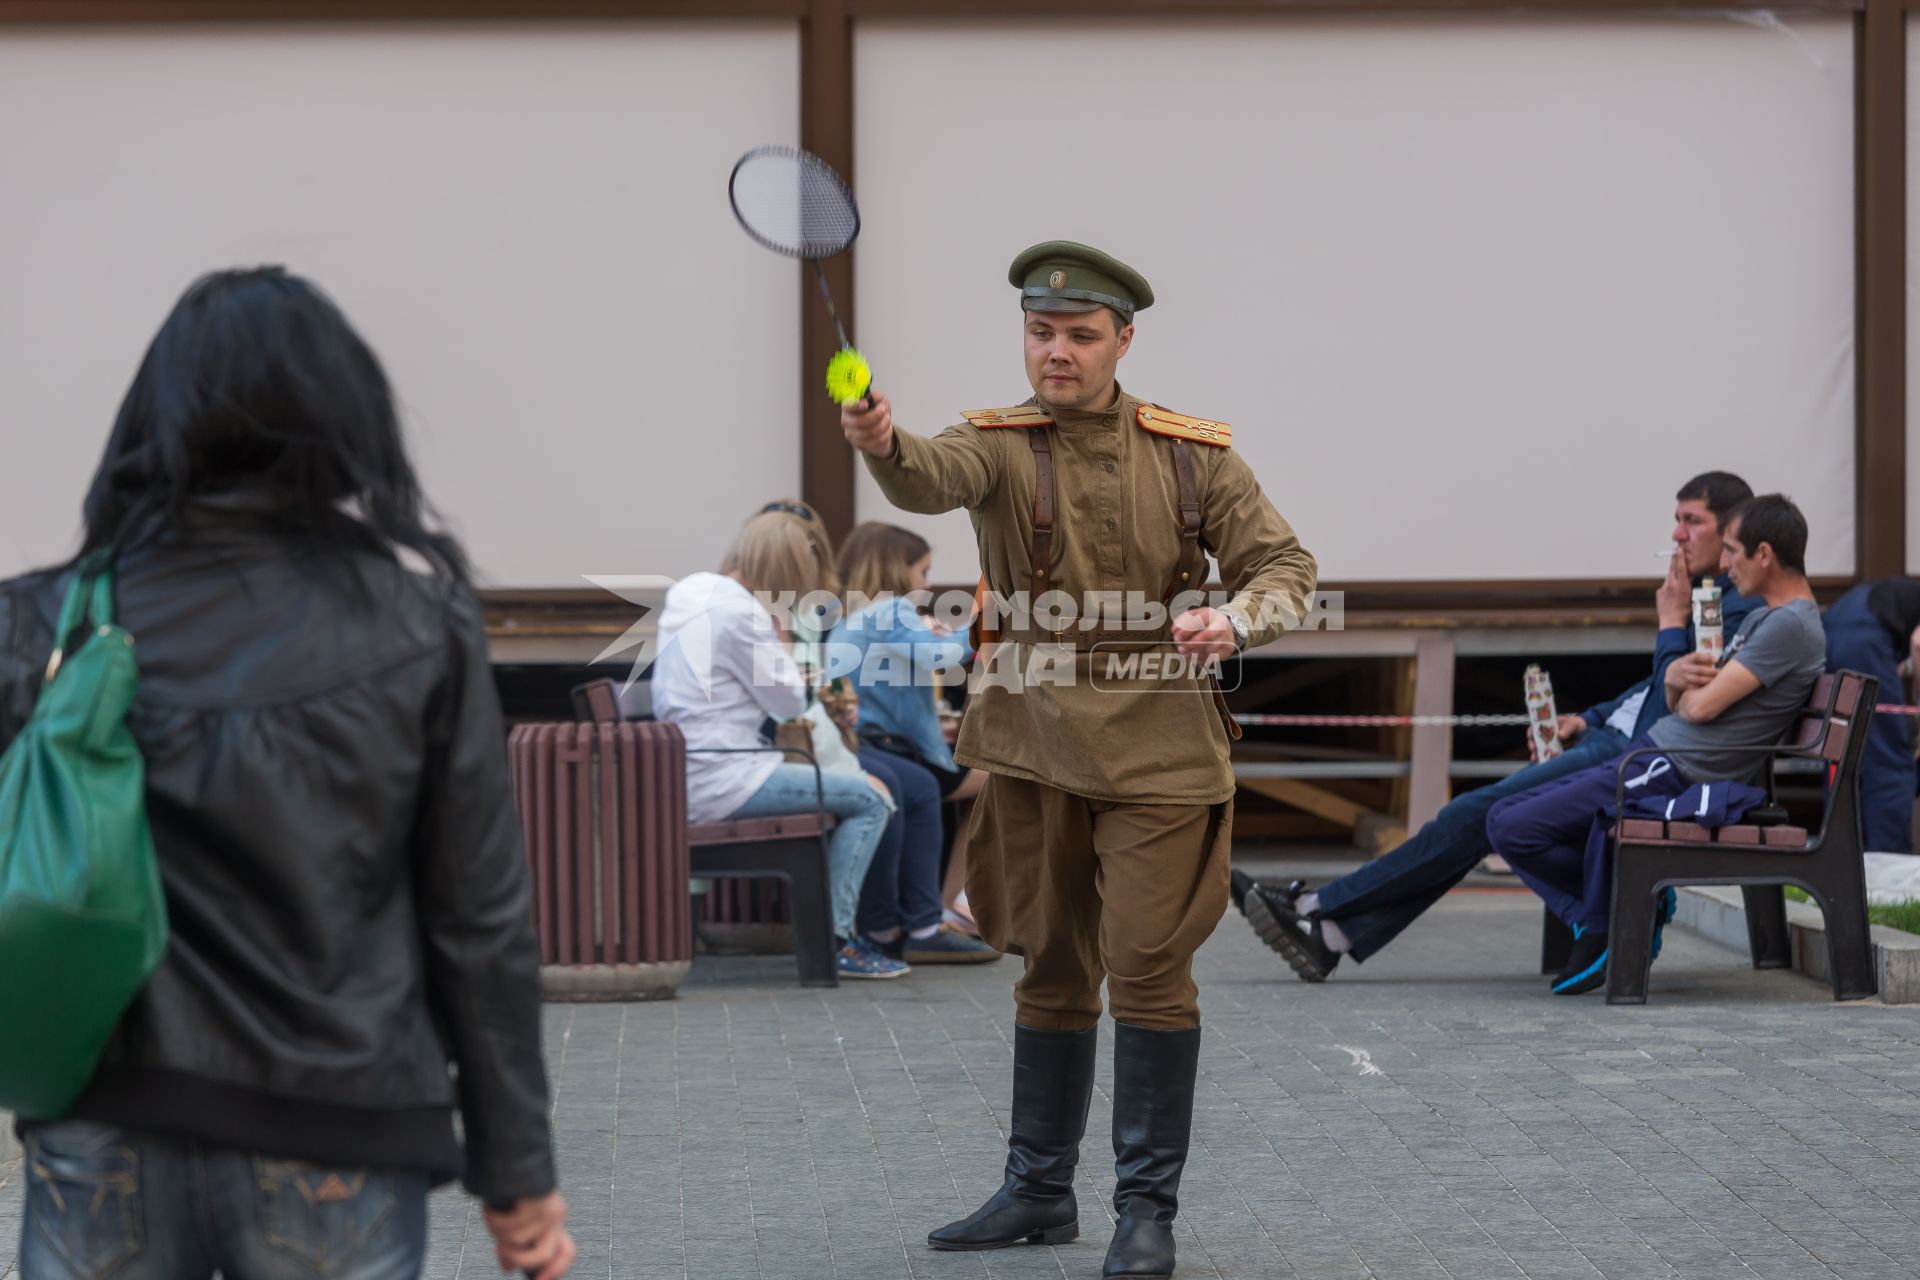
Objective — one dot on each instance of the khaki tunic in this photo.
(1116, 528)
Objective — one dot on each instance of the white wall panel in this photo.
(528, 222)
(1476, 293)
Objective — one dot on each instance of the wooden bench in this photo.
(791, 847)
(1760, 857)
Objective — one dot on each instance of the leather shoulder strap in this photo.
(1042, 445)
(1193, 560)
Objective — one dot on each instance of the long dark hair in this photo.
(256, 386)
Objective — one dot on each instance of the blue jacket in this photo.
(1710, 804)
(1668, 644)
(891, 653)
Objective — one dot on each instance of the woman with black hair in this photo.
(326, 786)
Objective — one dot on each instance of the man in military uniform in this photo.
(1099, 848)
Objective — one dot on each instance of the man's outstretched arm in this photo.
(953, 469)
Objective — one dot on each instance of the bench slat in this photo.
(1822, 696)
(1691, 835)
(1848, 700)
(1834, 747)
(786, 826)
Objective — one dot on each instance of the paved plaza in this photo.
(1433, 1114)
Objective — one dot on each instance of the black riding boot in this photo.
(1152, 1119)
(1052, 1085)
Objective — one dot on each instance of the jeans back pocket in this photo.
(83, 1198)
(331, 1219)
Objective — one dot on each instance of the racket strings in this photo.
(791, 202)
(828, 222)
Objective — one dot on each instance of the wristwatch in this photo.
(1239, 631)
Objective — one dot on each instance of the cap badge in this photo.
(1058, 280)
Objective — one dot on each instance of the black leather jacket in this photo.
(347, 892)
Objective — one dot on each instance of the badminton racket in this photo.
(792, 202)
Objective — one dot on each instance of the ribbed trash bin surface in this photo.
(604, 810)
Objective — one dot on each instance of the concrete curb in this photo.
(1719, 914)
(609, 982)
(9, 1149)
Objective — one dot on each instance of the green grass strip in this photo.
(1904, 916)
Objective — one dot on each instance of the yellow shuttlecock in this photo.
(848, 376)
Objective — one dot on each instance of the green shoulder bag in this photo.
(82, 918)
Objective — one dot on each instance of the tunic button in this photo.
(1112, 525)
(1109, 468)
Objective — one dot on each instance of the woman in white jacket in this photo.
(725, 669)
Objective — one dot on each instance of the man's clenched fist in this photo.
(870, 430)
(1204, 633)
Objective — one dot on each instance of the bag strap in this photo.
(89, 599)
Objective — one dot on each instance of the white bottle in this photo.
(1708, 637)
(1541, 719)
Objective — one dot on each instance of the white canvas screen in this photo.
(528, 222)
(1476, 293)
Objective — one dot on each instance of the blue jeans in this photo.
(848, 797)
(1373, 904)
(902, 889)
(104, 1202)
(1857, 640)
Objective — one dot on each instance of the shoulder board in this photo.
(1022, 415)
(1166, 422)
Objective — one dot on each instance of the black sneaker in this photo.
(1297, 939)
(1586, 966)
(1239, 883)
(1241, 886)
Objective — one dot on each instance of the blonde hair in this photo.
(817, 530)
(877, 559)
(774, 553)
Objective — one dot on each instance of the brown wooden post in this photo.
(826, 129)
(1880, 440)
(1432, 744)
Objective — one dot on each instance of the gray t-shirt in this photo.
(1786, 647)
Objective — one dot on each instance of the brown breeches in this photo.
(1091, 889)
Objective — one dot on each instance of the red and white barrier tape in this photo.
(1378, 722)
(1476, 722)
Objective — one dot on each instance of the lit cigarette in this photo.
(1668, 554)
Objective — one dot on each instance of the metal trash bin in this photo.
(604, 810)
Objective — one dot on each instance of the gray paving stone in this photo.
(1739, 1125)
